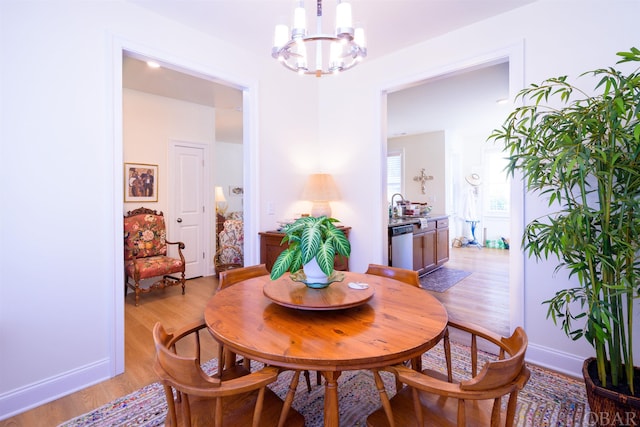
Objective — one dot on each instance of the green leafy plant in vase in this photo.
(313, 241)
(582, 153)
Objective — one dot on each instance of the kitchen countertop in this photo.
(414, 219)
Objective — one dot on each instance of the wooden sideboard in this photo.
(270, 248)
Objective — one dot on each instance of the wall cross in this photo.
(422, 179)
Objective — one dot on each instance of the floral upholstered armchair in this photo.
(145, 253)
(230, 250)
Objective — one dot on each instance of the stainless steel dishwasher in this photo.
(401, 237)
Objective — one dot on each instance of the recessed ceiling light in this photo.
(502, 101)
(153, 64)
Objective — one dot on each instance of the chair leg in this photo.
(384, 399)
(171, 405)
(289, 398)
(417, 407)
(399, 385)
(246, 362)
(307, 378)
(137, 293)
(447, 354)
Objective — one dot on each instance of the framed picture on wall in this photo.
(236, 191)
(140, 182)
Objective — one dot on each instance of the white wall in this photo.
(291, 150)
(150, 123)
(61, 134)
(424, 150)
(62, 163)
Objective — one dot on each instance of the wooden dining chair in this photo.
(435, 399)
(226, 279)
(409, 277)
(219, 399)
(401, 274)
(235, 275)
(231, 277)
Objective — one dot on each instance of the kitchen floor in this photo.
(483, 296)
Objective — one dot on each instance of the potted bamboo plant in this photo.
(313, 244)
(582, 153)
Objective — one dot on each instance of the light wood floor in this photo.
(481, 298)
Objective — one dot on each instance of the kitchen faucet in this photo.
(392, 208)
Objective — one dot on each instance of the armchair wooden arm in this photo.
(198, 397)
(435, 399)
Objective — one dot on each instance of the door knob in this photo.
(179, 220)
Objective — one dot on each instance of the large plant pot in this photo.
(608, 407)
(316, 278)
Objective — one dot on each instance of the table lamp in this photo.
(320, 189)
(221, 202)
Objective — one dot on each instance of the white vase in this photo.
(314, 274)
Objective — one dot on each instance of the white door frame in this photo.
(514, 53)
(209, 213)
(117, 48)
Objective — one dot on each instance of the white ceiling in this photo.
(389, 25)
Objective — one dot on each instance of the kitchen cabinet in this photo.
(430, 244)
(270, 249)
(442, 241)
(424, 248)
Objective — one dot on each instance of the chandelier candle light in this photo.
(344, 49)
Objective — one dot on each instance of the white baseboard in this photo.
(28, 397)
(568, 364)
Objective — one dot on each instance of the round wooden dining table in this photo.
(296, 327)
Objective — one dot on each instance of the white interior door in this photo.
(189, 205)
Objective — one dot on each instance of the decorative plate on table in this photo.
(299, 276)
(290, 291)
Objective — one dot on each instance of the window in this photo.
(496, 188)
(394, 173)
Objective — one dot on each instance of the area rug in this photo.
(442, 279)
(548, 399)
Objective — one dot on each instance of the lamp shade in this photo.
(320, 189)
(219, 195)
(221, 202)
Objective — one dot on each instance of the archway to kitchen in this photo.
(434, 90)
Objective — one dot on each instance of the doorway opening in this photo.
(441, 125)
(166, 111)
(440, 105)
(181, 69)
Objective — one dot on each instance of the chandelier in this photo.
(330, 53)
